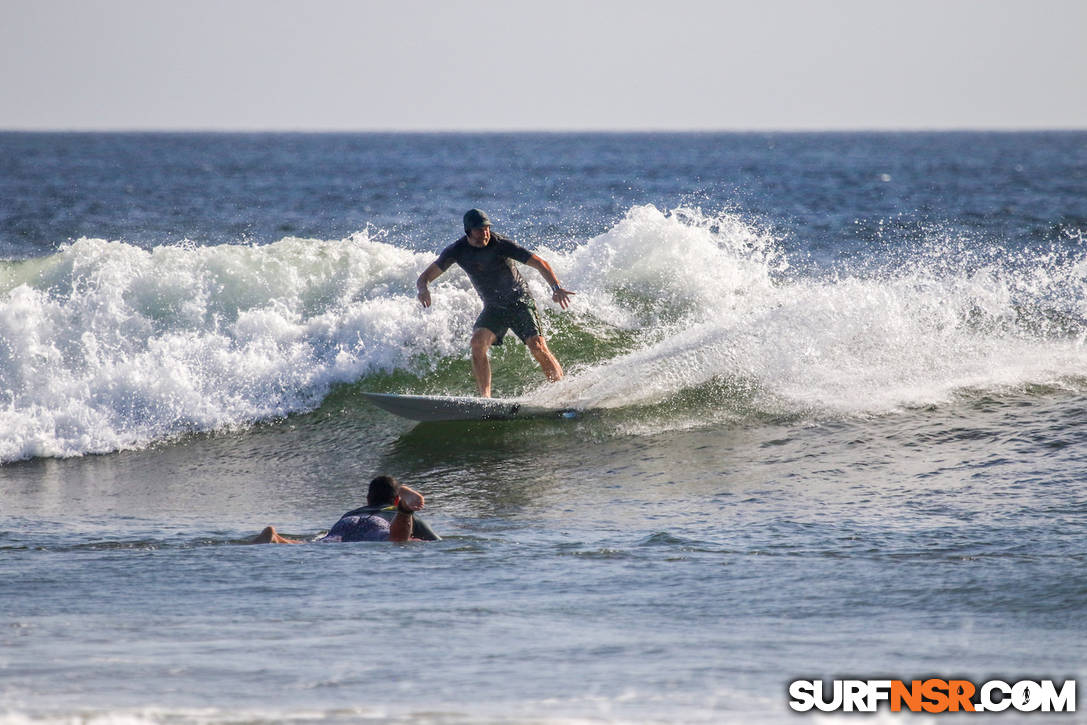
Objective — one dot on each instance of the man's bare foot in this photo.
(271, 536)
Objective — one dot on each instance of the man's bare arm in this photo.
(410, 502)
(558, 294)
(429, 274)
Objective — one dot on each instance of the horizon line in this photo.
(556, 131)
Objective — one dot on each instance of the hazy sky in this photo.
(544, 64)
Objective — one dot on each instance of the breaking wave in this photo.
(107, 346)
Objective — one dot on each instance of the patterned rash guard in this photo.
(368, 527)
(372, 523)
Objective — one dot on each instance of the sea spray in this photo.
(722, 311)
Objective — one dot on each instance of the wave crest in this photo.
(106, 346)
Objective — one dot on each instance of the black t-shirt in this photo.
(491, 268)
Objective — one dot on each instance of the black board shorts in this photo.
(521, 317)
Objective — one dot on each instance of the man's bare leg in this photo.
(482, 339)
(537, 345)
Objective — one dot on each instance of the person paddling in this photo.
(389, 515)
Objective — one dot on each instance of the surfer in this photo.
(488, 259)
(389, 515)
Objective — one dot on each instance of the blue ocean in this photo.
(831, 422)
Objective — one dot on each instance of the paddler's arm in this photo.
(410, 502)
(558, 294)
(429, 274)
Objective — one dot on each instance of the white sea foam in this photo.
(913, 335)
(106, 346)
(109, 346)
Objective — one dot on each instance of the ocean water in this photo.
(832, 395)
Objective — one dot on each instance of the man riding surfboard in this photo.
(488, 259)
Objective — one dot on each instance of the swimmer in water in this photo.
(389, 515)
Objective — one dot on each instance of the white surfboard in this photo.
(431, 408)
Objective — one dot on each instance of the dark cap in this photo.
(476, 218)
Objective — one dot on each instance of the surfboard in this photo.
(434, 408)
